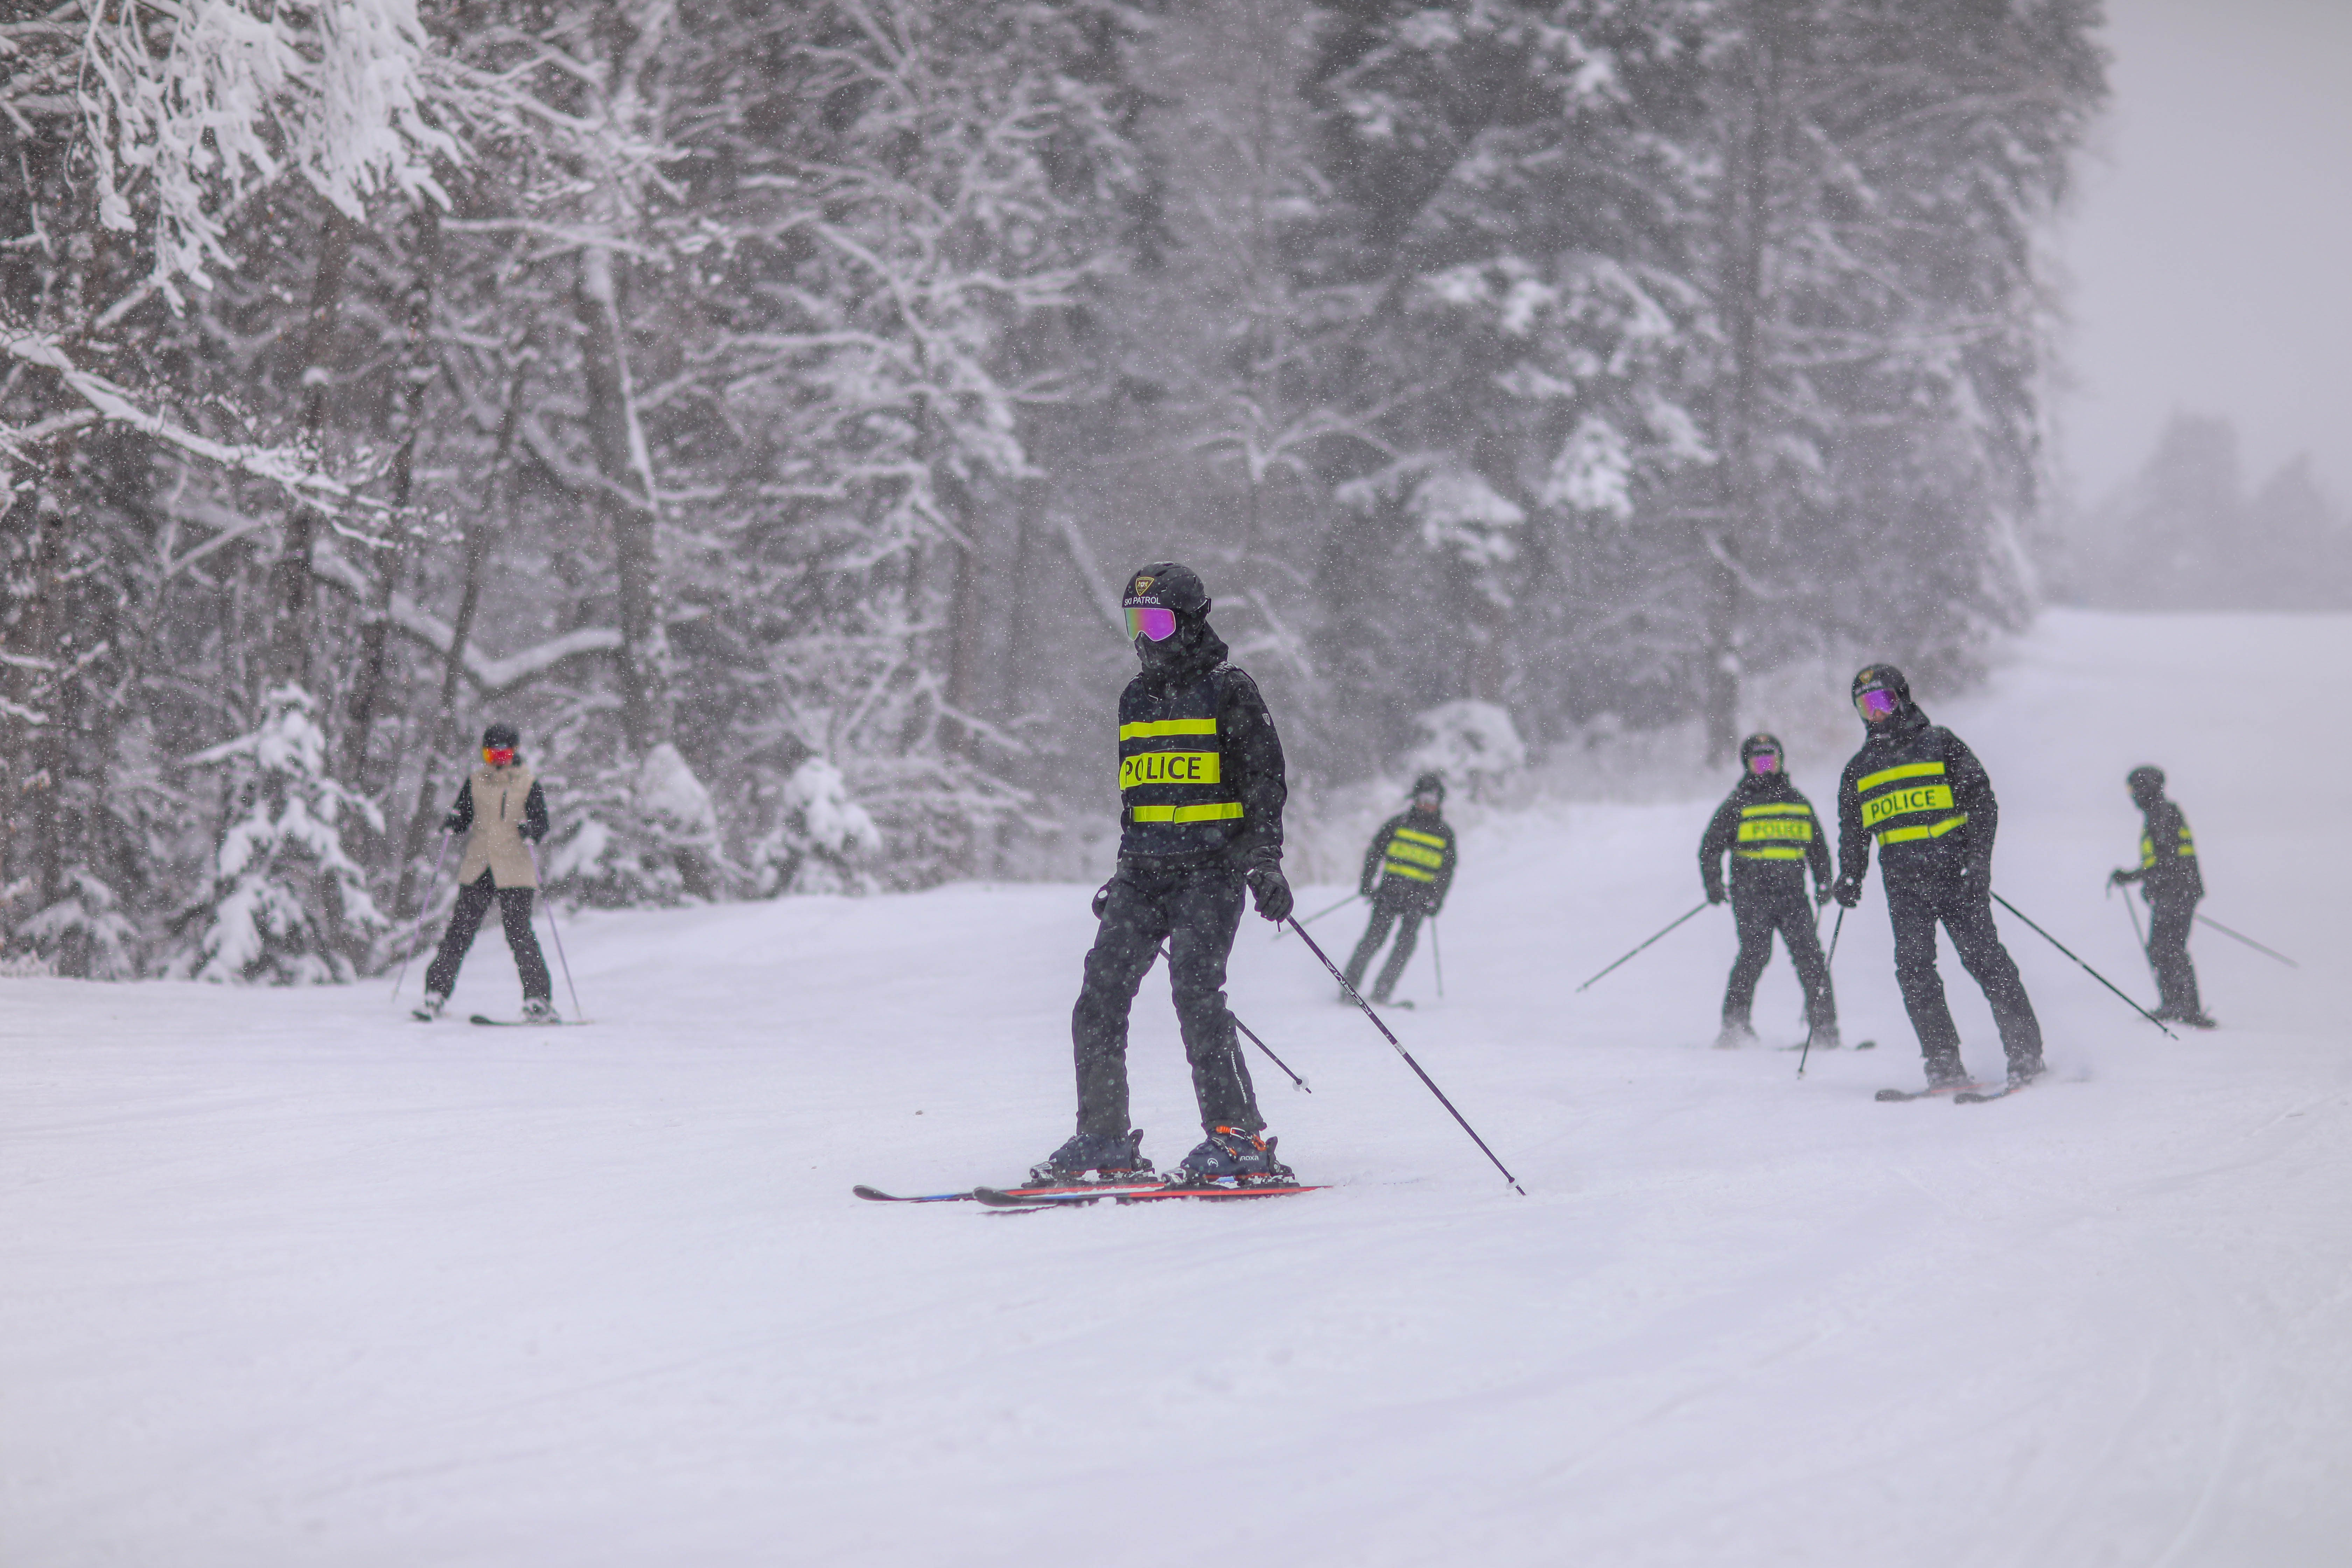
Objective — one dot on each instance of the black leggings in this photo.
(2167, 954)
(1966, 915)
(1406, 920)
(514, 913)
(1760, 911)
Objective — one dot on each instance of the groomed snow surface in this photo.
(286, 1280)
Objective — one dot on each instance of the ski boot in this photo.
(1230, 1154)
(1093, 1157)
(1736, 1035)
(539, 1010)
(2195, 1020)
(1946, 1073)
(2022, 1073)
(1825, 1038)
(430, 1008)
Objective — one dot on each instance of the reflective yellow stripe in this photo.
(1157, 727)
(1925, 831)
(1767, 854)
(1431, 839)
(1903, 801)
(1396, 870)
(2146, 852)
(1907, 771)
(1170, 768)
(1416, 854)
(1223, 810)
(1803, 832)
(1777, 808)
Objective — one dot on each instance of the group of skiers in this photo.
(1203, 786)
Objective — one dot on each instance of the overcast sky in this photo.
(2210, 244)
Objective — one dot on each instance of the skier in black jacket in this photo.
(1920, 790)
(2172, 884)
(1413, 857)
(1201, 776)
(1769, 830)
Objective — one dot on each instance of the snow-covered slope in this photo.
(284, 1280)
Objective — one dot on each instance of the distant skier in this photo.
(1412, 857)
(1922, 792)
(1767, 828)
(501, 810)
(2170, 881)
(1202, 782)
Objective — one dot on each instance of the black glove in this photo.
(2119, 879)
(1821, 898)
(450, 823)
(1365, 891)
(1848, 891)
(1272, 892)
(1714, 894)
(1102, 899)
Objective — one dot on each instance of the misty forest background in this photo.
(761, 403)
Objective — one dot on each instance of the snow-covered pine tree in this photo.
(288, 906)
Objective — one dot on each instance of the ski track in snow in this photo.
(285, 1279)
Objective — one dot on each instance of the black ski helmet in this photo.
(1165, 586)
(2145, 782)
(1759, 742)
(1430, 783)
(1881, 678)
(502, 736)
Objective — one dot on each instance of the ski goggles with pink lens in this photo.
(1764, 763)
(1876, 704)
(1150, 621)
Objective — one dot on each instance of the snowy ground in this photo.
(284, 1281)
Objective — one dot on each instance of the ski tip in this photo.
(871, 1195)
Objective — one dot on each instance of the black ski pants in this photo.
(1195, 909)
(1404, 916)
(514, 912)
(1762, 908)
(2169, 920)
(1963, 909)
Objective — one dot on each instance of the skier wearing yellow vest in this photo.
(1411, 857)
(1770, 831)
(1917, 789)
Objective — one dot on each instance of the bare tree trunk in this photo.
(1746, 248)
(417, 374)
(293, 599)
(442, 737)
(626, 500)
(35, 728)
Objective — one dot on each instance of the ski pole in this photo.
(2249, 941)
(2137, 935)
(1811, 1022)
(1677, 921)
(1407, 1055)
(577, 1011)
(2093, 974)
(1295, 1080)
(424, 909)
(1335, 908)
(1437, 956)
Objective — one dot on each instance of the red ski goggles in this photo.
(498, 756)
(1876, 704)
(1764, 763)
(1150, 621)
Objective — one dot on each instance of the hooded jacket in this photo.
(1770, 832)
(1918, 788)
(1202, 778)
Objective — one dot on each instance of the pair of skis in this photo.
(1078, 1195)
(1961, 1093)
